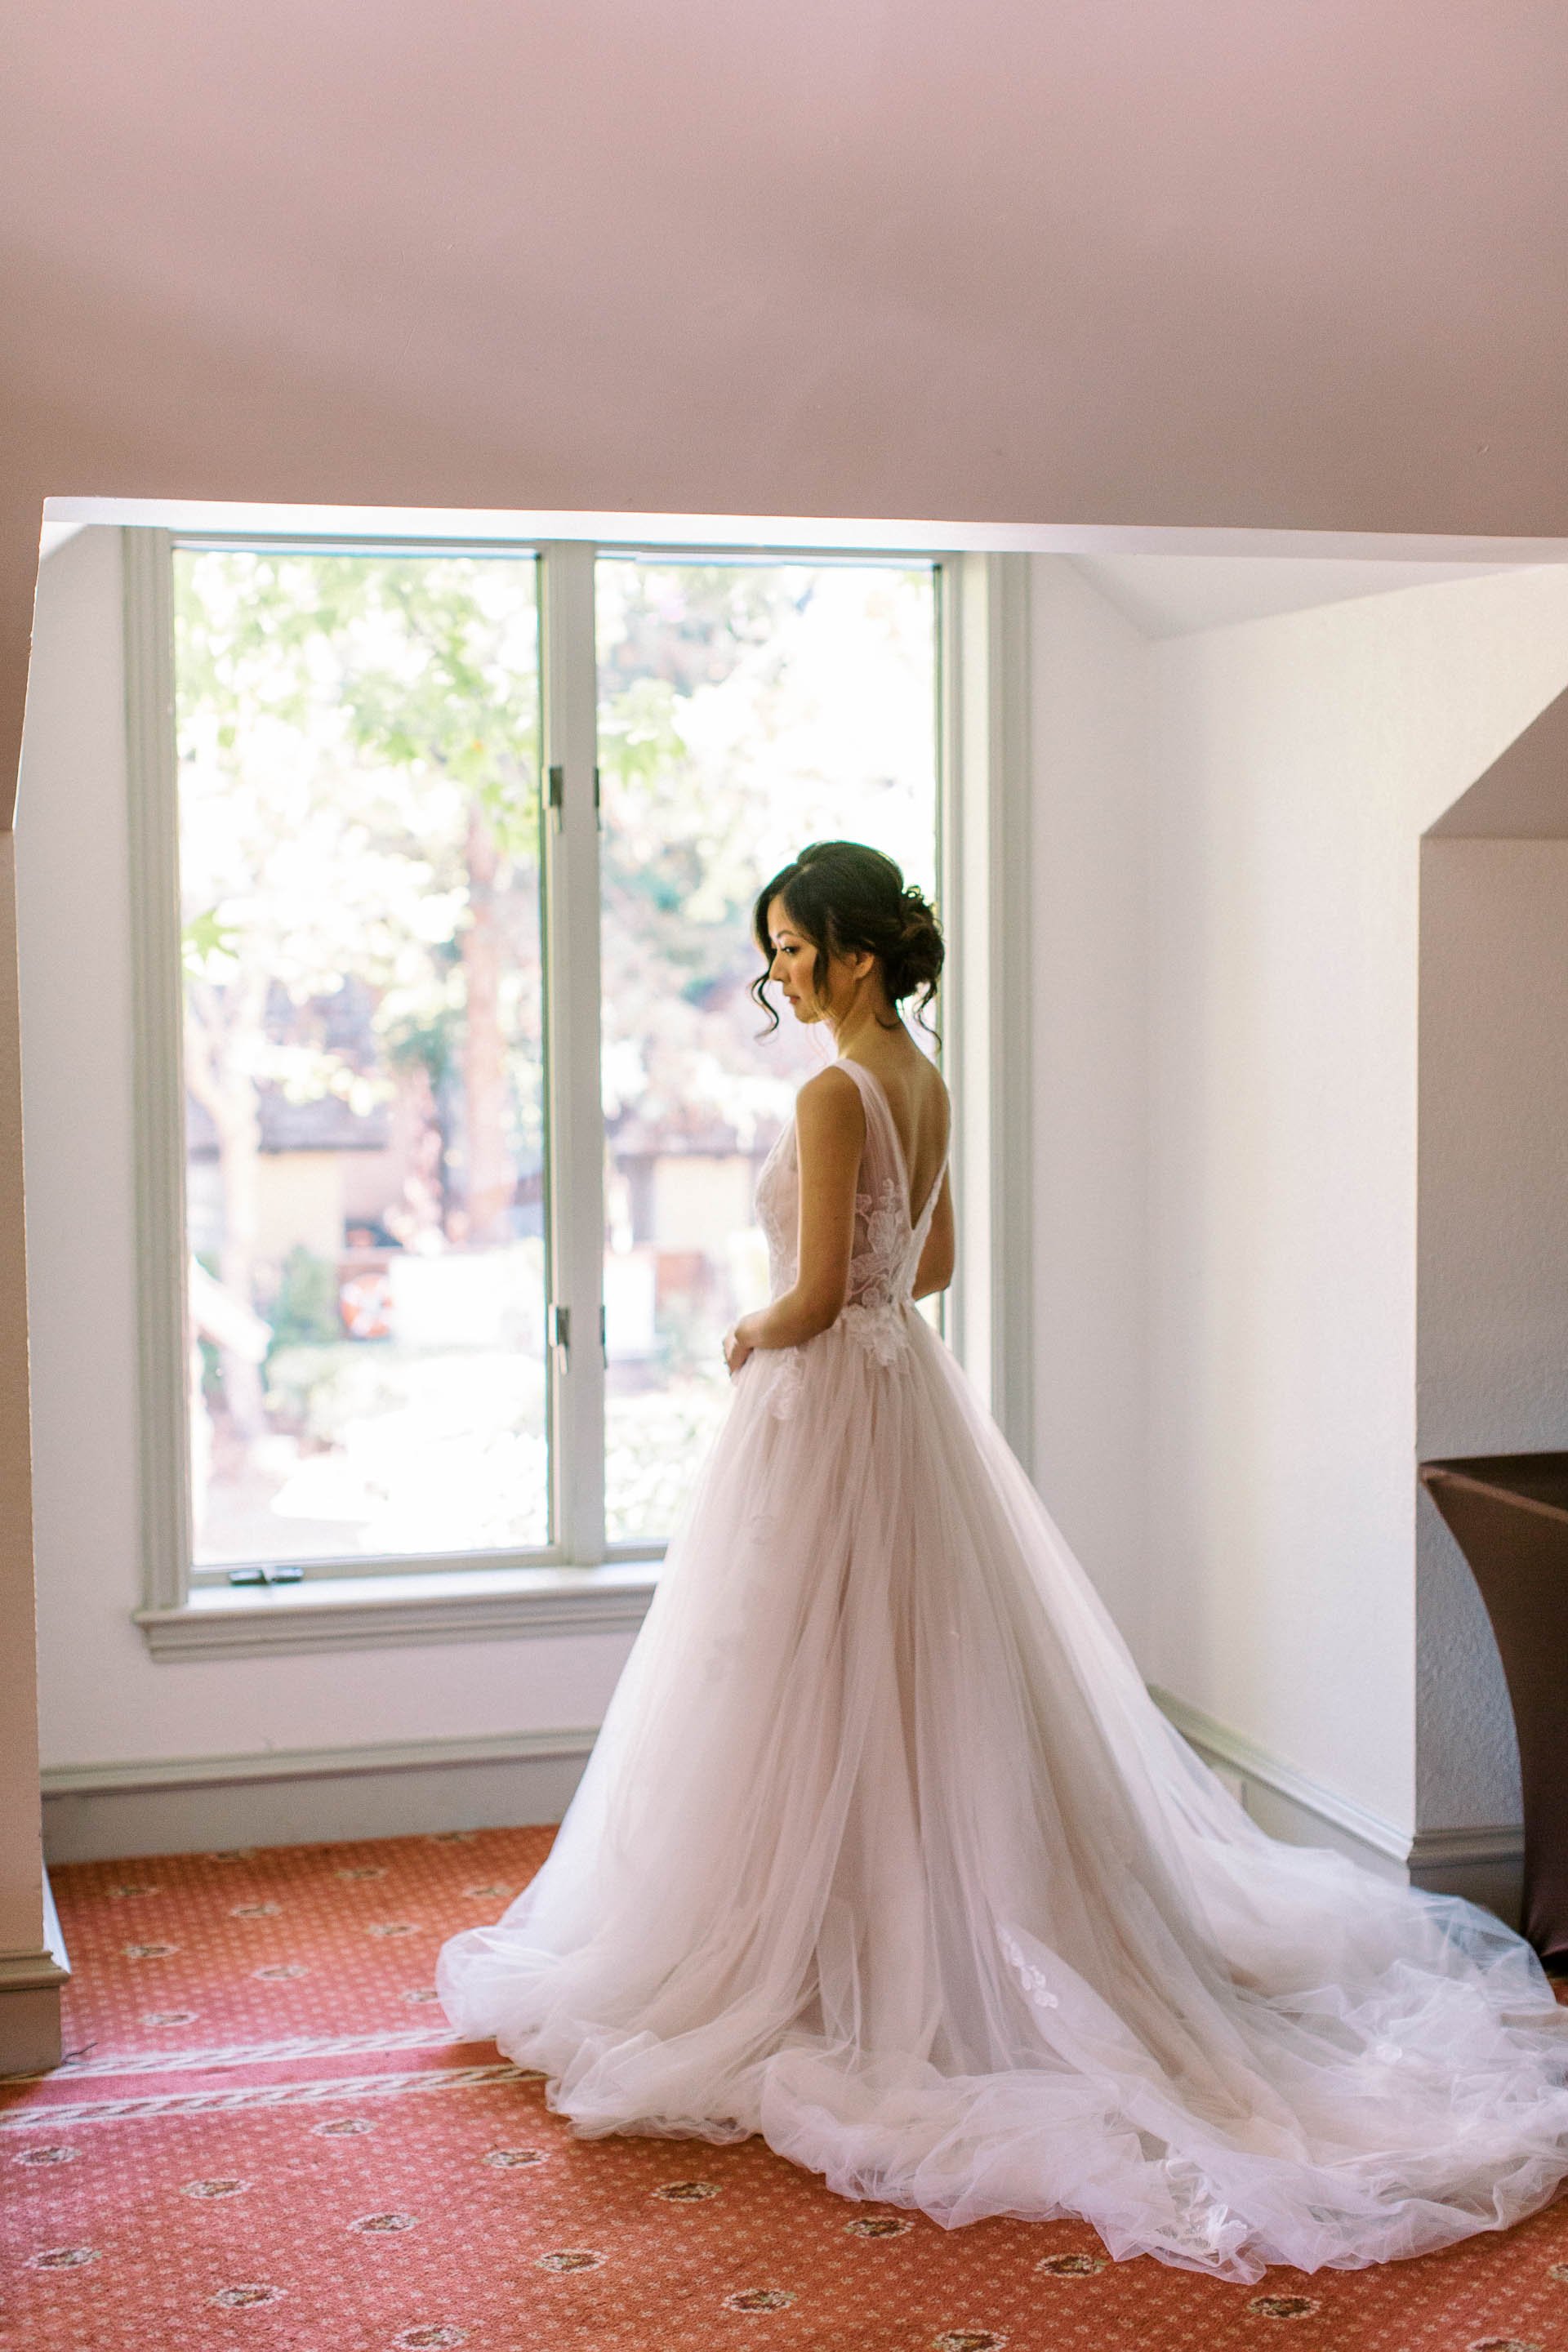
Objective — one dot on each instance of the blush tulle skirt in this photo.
(884, 1853)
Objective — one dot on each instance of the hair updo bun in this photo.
(917, 960)
(846, 897)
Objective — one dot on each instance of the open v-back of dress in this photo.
(884, 1852)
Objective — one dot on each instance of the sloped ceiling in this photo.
(1207, 261)
(1294, 263)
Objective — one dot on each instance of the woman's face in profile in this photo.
(794, 961)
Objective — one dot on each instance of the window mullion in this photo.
(577, 1149)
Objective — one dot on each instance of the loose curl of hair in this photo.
(846, 898)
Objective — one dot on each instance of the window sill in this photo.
(378, 1613)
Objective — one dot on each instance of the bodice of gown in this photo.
(885, 1250)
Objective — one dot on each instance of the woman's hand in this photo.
(737, 1345)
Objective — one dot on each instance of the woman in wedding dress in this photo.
(885, 1852)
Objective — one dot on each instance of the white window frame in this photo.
(579, 1582)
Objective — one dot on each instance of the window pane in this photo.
(744, 711)
(359, 854)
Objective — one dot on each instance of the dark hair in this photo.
(847, 897)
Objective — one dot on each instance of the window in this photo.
(453, 1091)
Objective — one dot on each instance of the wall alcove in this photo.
(1493, 1244)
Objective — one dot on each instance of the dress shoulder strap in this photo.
(884, 1153)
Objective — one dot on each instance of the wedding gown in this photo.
(885, 1852)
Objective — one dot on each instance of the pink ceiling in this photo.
(1291, 262)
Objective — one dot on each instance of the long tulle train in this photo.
(885, 1852)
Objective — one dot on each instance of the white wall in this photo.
(103, 1700)
(1223, 952)
(1493, 1236)
(1295, 762)
(1087, 966)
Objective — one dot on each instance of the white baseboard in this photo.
(313, 1796)
(1484, 1864)
(1487, 1865)
(97, 1812)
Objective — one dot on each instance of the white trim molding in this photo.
(380, 1612)
(95, 1812)
(986, 698)
(1485, 1864)
(152, 821)
(1212, 1741)
(875, 534)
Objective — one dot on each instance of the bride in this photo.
(885, 1852)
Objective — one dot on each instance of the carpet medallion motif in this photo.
(246, 2148)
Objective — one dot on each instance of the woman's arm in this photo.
(934, 1271)
(831, 1131)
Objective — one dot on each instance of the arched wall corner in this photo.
(1523, 795)
(1492, 1219)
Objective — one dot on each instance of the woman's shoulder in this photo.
(834, 1095)
(830, 1092)
(830, 1116)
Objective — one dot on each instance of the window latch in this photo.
(561, 1331)
(273, 1575)
(556, 792)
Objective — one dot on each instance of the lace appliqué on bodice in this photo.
(874, 1312)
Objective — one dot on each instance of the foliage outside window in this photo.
(365, 941)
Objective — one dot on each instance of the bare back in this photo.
(918, 1101)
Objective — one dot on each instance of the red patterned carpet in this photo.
(264, 2138)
